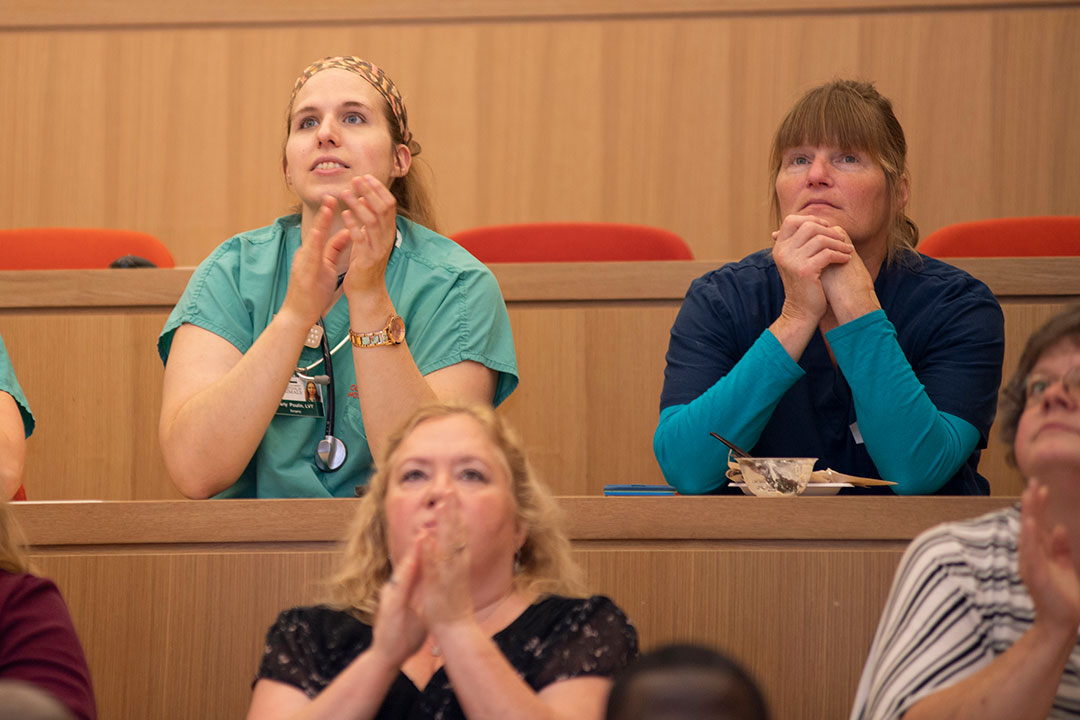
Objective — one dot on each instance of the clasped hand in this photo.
(819, 267)
(368, 213)
(429, 588)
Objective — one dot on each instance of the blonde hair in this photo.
(12, 557)
(851, 115)
(543, 564)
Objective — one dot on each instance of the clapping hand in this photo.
(370, 217)
(431, 585)
(447, 590)
(1046, 563)
(399, 628)
(313, 278)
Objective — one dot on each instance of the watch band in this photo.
(392, 334)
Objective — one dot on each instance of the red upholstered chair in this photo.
(77, 248)
(1005, 237)
(572, 242)
(20, 494)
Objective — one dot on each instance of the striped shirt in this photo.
(957, 603)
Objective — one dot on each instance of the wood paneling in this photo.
(59, 526)
(93, 381)
(44, 13)
(522, 284)
(168, 118)
(172, 599)
(590, 338)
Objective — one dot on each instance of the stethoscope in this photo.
(331, 452)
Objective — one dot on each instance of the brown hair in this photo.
(410, 190)
(12, 557)
(1063, 326)
(543, 563)
(850, 114)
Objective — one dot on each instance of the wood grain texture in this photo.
(72, 289)
(593, 519)
(31, 13)
(172, 599)
(649, 112)
(801, 621)
(590, 339)
(1019, 277)
(93, 382)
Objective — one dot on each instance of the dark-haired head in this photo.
(685, 682)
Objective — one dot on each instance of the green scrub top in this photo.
(453, 311)
(10, 385)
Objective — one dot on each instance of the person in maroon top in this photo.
(38, 644)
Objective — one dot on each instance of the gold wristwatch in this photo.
(392, 334)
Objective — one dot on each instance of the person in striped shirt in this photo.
(983, 615)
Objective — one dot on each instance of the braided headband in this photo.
(378, 79)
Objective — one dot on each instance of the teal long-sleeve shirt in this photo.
(910, 441)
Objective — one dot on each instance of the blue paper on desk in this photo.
(639, 490)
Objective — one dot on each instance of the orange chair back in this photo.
(77, 248)
(572, 242)
(1006, 237)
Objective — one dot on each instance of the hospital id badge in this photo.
(302, 398)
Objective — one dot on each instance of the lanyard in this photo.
(301, 370)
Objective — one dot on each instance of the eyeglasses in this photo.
(1036, 385)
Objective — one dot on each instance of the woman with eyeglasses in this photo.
(354, 298)
(839, 341)
(983, 616)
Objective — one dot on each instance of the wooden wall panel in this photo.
(784, 614)
(179, 635)
(590, 391)
(132, 115)
(26, 14)
(96, 404)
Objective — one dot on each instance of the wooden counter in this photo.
(172, 599)
(590, 337)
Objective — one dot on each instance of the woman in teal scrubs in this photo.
(406, 315)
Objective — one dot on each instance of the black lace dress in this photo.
(556, 638)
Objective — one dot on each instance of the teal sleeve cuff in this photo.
(737, 406)
(911, 442)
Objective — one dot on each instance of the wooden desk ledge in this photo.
(587, 518)
(520, 282)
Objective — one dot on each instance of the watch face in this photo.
(396, 329)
